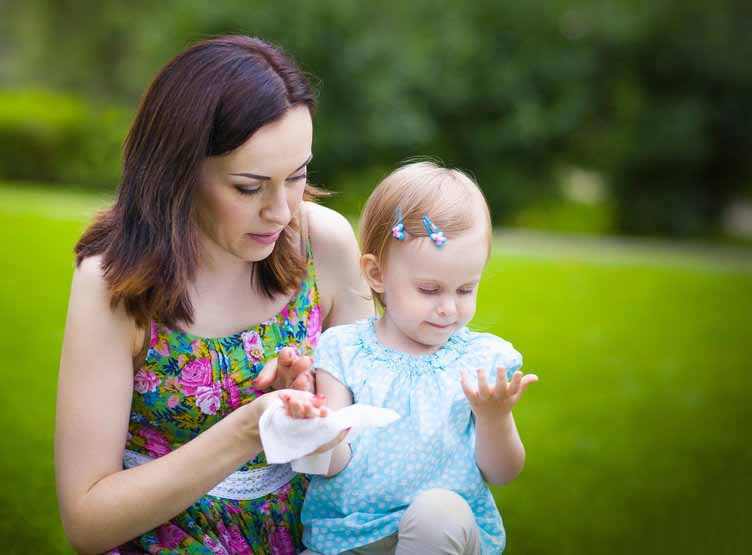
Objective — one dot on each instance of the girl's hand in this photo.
(287, 371)
(498, 400)
(301, 404)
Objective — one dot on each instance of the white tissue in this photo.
(286, 439)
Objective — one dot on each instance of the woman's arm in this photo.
(101, 504)
(344, 295)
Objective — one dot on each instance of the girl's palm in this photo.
(497, 399)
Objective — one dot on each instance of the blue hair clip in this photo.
(398, 230)
(436, 235)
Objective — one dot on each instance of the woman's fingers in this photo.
(304, 382)
(266, 376)
(288, 370)
(286, 374)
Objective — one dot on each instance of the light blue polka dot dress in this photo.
(431, 446)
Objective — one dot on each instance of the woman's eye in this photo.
(247, 191)
(298, 177)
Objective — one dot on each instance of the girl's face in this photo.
(248, 196)
(431, 292)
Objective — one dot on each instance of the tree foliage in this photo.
(653, 95)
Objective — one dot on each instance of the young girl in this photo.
(417, 485)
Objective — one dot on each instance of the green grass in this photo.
(636, 435)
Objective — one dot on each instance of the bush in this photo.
(59, 138)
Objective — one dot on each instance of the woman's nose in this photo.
(277, 209)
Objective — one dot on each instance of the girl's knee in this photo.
(442, 504)
(440, 517)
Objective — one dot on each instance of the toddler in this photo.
(417, 485)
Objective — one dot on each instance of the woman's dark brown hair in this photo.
(207, 101)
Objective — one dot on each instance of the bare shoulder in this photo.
(328, 229)
(90, 303)
(344, 296)
(332, 241)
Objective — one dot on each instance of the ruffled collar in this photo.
(398, 361)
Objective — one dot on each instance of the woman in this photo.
(210, 263)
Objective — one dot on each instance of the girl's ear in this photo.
(371, 270)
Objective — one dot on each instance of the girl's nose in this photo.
(447, 308)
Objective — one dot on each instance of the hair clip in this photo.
(436, 235)
(398, 230)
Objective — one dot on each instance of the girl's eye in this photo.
(428, 291)
(465, 291)
(246, 191)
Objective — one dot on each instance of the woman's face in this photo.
(248, 196)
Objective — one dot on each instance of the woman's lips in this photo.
(264, 238)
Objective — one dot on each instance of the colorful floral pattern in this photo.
(189, 383)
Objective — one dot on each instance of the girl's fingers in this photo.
(296, 409)
(514, 384)
(470, 393)
(501, 382)
(484, 391)
(299, 404)
(526, 381)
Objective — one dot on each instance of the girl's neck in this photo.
(393, 338)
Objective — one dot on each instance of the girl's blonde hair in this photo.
(449, 197)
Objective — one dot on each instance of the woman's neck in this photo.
(221, 270)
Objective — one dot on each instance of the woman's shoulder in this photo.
(90, 270)
(328, 230)
(91, 300)
(342, 291)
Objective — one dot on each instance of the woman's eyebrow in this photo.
(254, 176)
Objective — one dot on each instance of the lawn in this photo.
(634, 435)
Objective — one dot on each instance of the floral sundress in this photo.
(189, 383)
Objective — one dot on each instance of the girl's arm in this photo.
(102, 505)
(499, 451)
(336, 396)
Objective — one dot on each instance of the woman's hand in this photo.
(498, 400)
(288, 371)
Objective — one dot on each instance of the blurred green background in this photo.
(613, 142)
